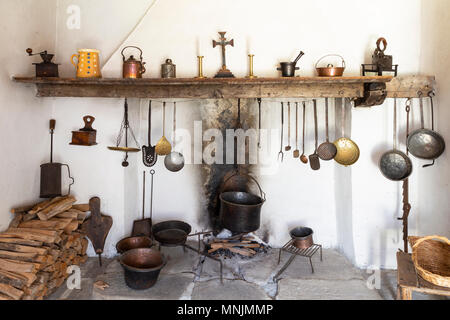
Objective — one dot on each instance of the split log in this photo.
(72, 215)
(18, 256)
(45, 204)
(24, 249)
(10, 291)
(18, 217)
(11, 279)
(56, 208)
(34, 290)
(31, 234)
(27, 278)
(19, 241)
(22, 209)
(244, 252)
(81, 207)
(52, 224)
(71, 227)
(29, 216)
(18, 266)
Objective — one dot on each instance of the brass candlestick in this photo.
(251, 75)
(200, 68)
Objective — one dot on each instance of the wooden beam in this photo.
(297, 87)
(410, 86)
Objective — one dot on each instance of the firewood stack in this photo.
(40, 243)
(244, 246)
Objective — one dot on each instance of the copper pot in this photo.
(303, 237)
(330, 70)
(132, 68)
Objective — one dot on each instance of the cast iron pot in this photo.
(240, 212)
(131, 243)
(142, 267)
(303, 237)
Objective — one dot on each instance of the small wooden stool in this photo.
(408, 280)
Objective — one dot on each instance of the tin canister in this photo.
(88, 65)
(168, 69)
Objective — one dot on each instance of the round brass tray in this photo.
(124, 149)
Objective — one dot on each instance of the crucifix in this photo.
(223, 72)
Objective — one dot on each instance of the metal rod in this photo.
(210, 257)
(152, 172)
(143, 196)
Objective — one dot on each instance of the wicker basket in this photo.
(432, 259)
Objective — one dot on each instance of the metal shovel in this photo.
(143, 227)
(314, 158)
(149, 155)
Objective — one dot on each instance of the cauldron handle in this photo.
(263, 194)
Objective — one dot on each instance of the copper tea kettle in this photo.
(132, 68)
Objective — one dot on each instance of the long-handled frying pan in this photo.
(395, 165)
(424, 143)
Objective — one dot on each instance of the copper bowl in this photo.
(131, 243)
(142, 267)
(303, 237)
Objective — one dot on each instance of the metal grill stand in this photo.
(294, 251)
(186, 246)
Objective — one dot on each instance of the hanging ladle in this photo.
(303, 157)
(125, 127)
(163, 147)
(175, 160)
(281, 154)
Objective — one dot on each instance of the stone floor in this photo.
(190, 277)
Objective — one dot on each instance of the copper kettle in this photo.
(132, 68)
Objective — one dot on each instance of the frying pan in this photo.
(395, 165)
(171, 233)
(347, 150)
(424, 143)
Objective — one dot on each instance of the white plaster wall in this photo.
(433, 201)
(354, 209)
(24, 138)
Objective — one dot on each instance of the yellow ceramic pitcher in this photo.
(88, 65)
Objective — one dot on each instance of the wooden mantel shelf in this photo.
(210, 88)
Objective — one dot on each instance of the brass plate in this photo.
(124, 149)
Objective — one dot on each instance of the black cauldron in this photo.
(240, 212)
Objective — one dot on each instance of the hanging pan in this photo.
(327, 150)
(424, 143)
(347, 150)
(395, 165)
